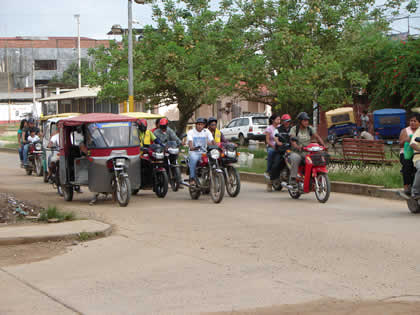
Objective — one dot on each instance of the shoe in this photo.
(267, 176)
(269, 186)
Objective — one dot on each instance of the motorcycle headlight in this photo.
(214, 154)
(38, 146)
(231, 154)
(158, 155)
(173, 151)
(120, 162)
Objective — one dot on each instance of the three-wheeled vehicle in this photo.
(101, 151)
(49, 124)
(341, 123)
(387, 123)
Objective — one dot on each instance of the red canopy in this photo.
(94, 118)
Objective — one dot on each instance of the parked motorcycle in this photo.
(35, 159)
(120, 182)
(209, 175)
(312, 174)
(153, 172)
(229, 157)
(171, 164)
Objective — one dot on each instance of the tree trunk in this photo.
(182, 122)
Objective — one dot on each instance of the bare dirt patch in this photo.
(335, 307)
(15, 211)
(26, 253)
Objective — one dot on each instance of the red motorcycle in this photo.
(312, 174)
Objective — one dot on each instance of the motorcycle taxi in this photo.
(101, 151)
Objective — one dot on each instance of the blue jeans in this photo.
(194, 157)
(21, 153)
(25, 154)
(270, 158)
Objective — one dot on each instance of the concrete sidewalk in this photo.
(21, 234)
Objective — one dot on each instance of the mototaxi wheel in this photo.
(322, 187)
(67, 192)
(217, 186)
(232, 181)
(413, 205)
(161, 184)
(123, 191)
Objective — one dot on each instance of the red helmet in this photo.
(163, 122)
(286, 117)
(142, 124)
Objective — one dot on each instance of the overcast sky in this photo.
(56, 18)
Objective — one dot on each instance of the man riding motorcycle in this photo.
(165, 133)
(217, 134)
(301, 136)
(31, 128)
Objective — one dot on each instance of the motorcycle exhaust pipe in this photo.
(285, 185)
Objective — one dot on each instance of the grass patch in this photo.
(11, 138)
(258, 154)
(11, 145)
(84, 236)
(389, 177)
(53, 213)
(258, 166)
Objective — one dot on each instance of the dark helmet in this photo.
(31, 121)
(163, 123)
(211, 119)
(200, 120)
(303, 116)
(142, 124)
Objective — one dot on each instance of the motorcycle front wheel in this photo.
(217, 186)
(413, 206)
(194, 193)
(38, 167)
(175, 178)
(322, 187)
(233, 181)
(161, 184)
(123, 191)
(67, 192)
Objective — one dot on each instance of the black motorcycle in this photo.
(229, 157)
(171, 164)
(280, 169)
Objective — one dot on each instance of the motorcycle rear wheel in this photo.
(45, 178)
(217, 187)
(67, 192)
(277, 185)
(194, 193)
(38, 167)
(323, 189)
(295, 194)
(175, 178)
(29, 170)
(232, 181)
(161, 185)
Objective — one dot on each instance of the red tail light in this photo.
(250, 129)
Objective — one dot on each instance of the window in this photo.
(244, 122)
(395, 120)
(45, 64)
(233, 123)
(340, 118)
(260, 121)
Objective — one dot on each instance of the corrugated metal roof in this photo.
(84, 92)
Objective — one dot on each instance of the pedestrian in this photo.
(364, 120)
(365, 134)
(20, 136)
(407, 167)
(270, 133)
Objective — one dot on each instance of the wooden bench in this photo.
(363, 152)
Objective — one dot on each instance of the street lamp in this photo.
(130, 54)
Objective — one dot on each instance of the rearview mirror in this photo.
(417, 139)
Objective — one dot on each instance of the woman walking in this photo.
(20, 136)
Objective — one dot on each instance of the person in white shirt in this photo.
(53, 158)
(33, 137)
(197, 138)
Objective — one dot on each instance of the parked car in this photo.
(245, 128)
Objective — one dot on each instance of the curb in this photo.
(340, 187)
(16, 240)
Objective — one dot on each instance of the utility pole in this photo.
(77, 16)
(34, 110)
(130, 58)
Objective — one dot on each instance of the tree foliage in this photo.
(70, 75)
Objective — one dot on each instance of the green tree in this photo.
(186, 59)
(70, 75)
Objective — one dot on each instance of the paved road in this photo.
(178, 256)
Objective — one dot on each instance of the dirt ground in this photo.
(26, 253)
(335, 307)
(17, 211)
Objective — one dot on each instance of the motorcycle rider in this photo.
(415, 190)
(31, 128)
(54, 143)
(164, 133)
(301, 136)
(197, 138)
(285, 124)
(217, 134)
(146, 136)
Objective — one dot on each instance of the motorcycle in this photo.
(312, 174)
(209, 175)
(153, 172)
(171, 164)
(228, 157)
(54, 178)
(35, 159)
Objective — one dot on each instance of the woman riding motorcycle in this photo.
(301, 135)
